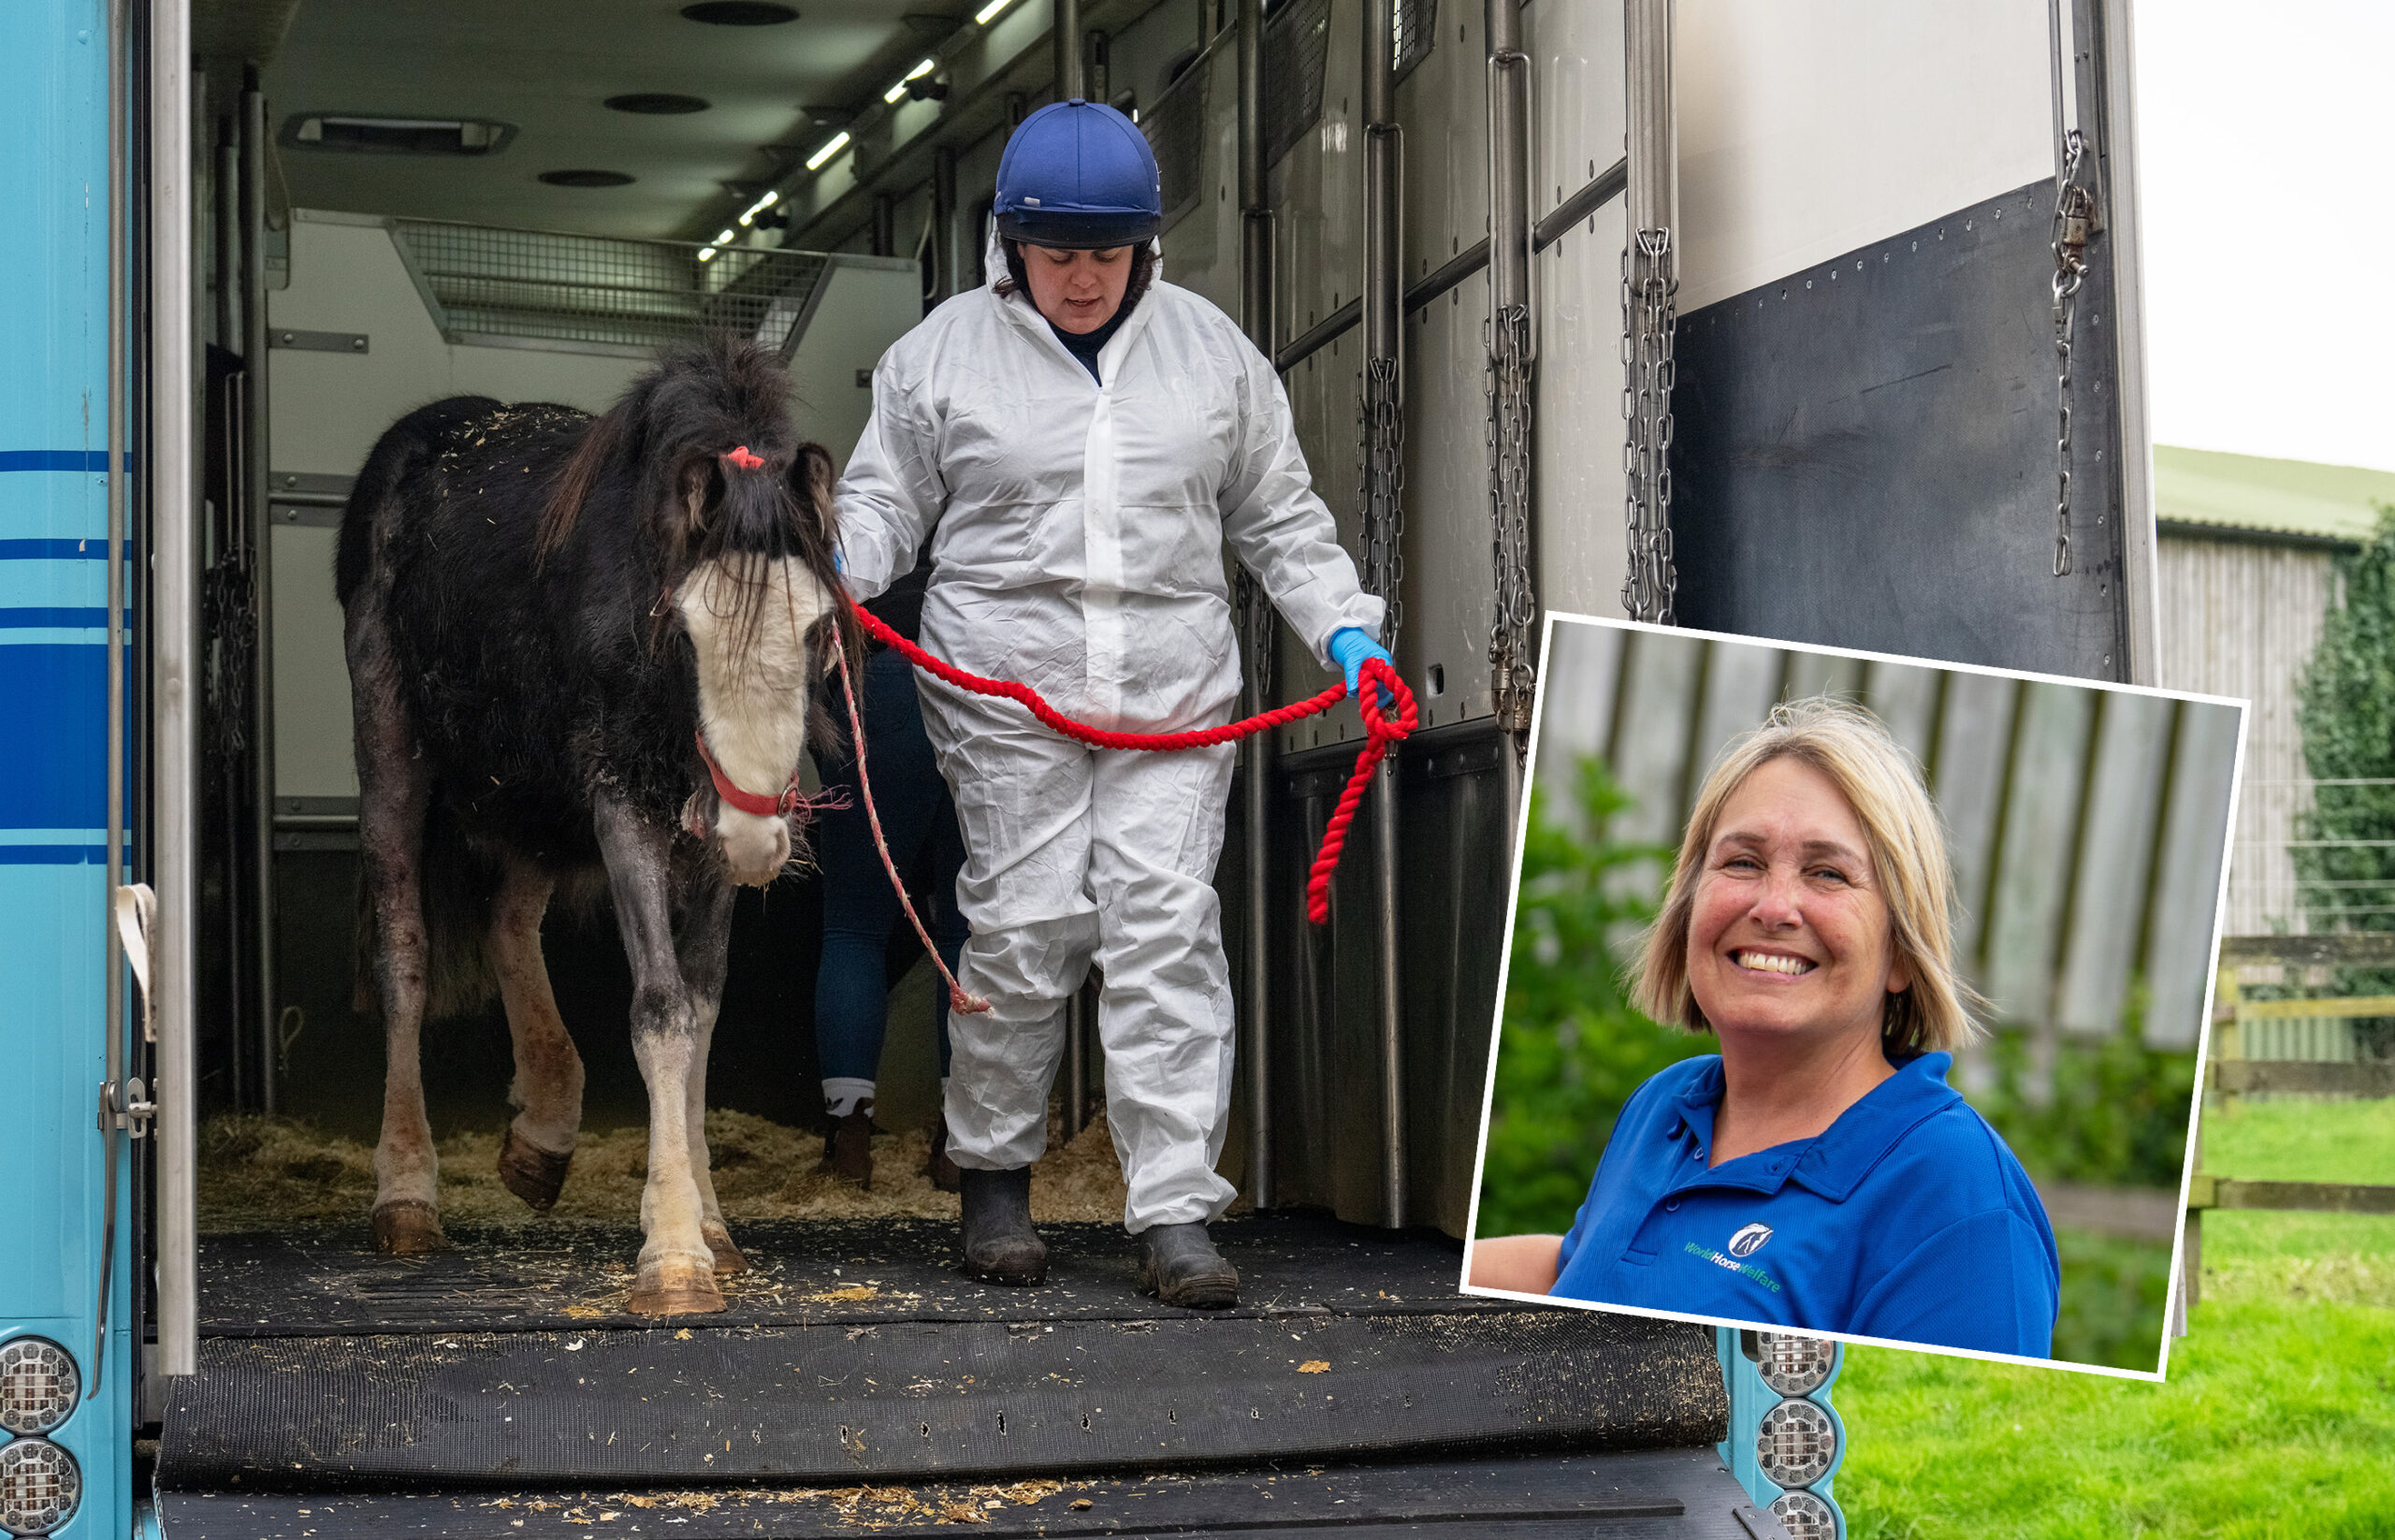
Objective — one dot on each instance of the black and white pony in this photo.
(580, 649)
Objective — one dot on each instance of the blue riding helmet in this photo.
(1079, 175)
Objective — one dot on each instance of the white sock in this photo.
(842, 1093)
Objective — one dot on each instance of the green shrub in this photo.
(2112, 1111)
(1573, 1047)
(2345, 707)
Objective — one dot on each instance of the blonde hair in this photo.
(1908, 865)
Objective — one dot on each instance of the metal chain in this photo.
(228, 615)
(2074, 209)
(1513, 677)
(1382, 494)
(1649, 310)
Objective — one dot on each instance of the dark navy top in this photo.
(1908, 1218)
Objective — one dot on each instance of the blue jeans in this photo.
(919, 821)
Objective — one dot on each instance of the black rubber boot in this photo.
(1180, 1266)
(1000, 1245)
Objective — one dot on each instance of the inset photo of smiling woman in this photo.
(1855, 995)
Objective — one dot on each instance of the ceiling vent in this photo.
(739, 13)
(357, 133)
(657, 104)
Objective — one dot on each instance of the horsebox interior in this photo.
(404, 199)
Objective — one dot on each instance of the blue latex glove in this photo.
(1349, 646)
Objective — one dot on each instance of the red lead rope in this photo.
(1379, 731)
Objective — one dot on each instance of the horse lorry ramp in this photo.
(493, 1383)
(1816, 325)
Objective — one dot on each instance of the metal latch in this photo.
(127, 1105)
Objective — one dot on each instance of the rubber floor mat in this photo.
(917, 1399)
(804, 1272)
(1675, 1494)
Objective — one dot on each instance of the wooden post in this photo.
(2229, 1026)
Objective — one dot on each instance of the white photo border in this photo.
(2172, 1306)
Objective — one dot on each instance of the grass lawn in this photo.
(2278, 1419)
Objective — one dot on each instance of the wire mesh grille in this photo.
(1415, 31)
(1297, 42)
(487, 282)
(1175, 131)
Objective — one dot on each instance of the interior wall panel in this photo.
(1809, 130)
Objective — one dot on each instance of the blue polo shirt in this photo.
(1906, 1218)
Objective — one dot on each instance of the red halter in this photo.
(749, 802)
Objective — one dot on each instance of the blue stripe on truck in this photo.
(53, 855)
(53, 707)
(54, 550)
(53, 460)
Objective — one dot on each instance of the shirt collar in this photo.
(1847, 1151)
(1835, 1162)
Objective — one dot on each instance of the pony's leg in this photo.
(677, 1269)
(705, 946)
(548, 1093)
(394, 792)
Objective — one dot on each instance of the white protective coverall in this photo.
(1076, 546)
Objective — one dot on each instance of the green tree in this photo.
(1572, 1047)
(2345, 707)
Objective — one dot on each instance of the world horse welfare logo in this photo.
(1745, 1242)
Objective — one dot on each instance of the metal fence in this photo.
(482, 283)
(1176, 129)
(2291, 876)
(1296, 45)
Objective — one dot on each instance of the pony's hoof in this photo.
(676, 1284)
(530, 1172)
(406, 1227)
(728, 1259)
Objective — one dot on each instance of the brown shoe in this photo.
(848, 1149)
(941, 1169)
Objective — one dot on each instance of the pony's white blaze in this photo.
(752, 690)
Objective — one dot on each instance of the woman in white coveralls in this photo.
(1077, 439)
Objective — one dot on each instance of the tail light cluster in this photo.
(40, 1484)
